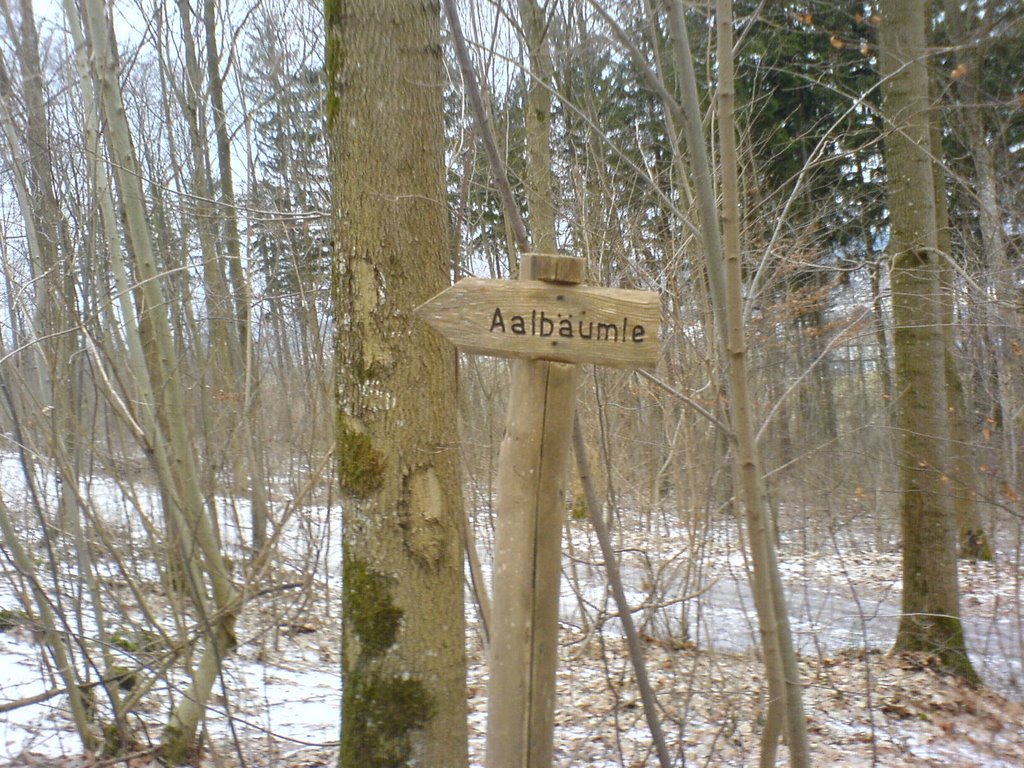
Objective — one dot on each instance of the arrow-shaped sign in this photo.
(539, 320)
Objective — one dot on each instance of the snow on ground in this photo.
(281, 699)
(40, 728)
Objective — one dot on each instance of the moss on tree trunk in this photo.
(382, 709)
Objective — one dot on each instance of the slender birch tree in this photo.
(722, 257)
(167, 433)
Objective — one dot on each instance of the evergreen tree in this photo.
(290, 240)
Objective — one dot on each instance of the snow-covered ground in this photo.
(280, 700)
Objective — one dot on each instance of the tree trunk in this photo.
(540, 192)
(52, 262)
(784, 689)
(51, 259)
(248, 370)
(403, 644)
(881, 337)
(165, 417)
(973, 540)
(930, 617)
(773, 615)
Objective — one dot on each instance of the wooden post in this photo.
(527, 564)
(530, 507)
(550, 325)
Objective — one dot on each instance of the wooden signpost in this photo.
(550, 323)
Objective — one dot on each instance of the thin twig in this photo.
(726, 430)
(476, 101)
(611, 566)
(10, 706)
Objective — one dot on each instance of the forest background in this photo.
(167, 376)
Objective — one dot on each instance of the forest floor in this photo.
(873, 709)
(865, 705)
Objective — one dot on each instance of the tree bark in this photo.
(930, 611)
(540, 188)
(403, 644)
